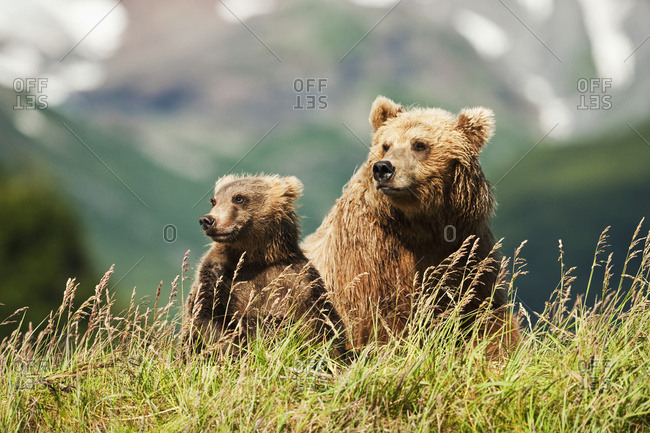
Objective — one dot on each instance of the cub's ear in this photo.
(292, 187)
(477, 124)
(223, 181)
(382, 110)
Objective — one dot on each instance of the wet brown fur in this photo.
(370, 246)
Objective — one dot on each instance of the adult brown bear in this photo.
(419, 195)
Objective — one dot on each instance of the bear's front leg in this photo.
(205, 317)
(326, 323)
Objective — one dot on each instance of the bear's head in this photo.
(250, 210)
(427, 157)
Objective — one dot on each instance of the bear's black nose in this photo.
(206, 221)
(382, 171)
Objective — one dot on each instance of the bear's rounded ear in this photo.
(223, 181)
(382, 110)
(477, 124)
(292, 187)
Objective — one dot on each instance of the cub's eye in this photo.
(419, 146)
(238, 199)
(213, 201)
(385, 147)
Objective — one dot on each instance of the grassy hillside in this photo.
(580, 368)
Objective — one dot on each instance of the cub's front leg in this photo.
(206, 316)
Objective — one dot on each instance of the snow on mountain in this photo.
(196, 57)
(65, 41)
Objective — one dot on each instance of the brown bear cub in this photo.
(255, 273)
(415, 201)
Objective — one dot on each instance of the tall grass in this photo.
(580, 366)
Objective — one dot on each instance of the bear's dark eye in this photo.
(385, 146)
(238, 199)
(213, 201)
(419, 146)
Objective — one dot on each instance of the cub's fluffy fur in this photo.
(255, 273)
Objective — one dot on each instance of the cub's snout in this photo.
(207, 222)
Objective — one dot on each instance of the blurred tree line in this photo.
(41, 246)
